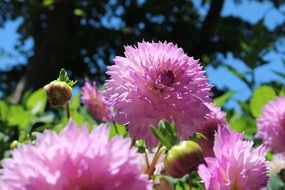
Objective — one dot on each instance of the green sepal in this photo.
(198, 135)
(166, 133)
(64, 77)
(140, 146)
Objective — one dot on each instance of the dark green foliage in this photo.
(83, 36)
(19, 121)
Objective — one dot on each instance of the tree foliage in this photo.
(84, 36)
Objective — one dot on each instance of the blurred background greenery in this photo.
(83, 36)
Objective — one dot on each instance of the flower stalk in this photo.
(67, 110)
(157, 154)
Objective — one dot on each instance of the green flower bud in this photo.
(14, 144)
(183, 158)
(58, 92)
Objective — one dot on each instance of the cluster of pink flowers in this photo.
(271, 130)
(157, 81)
(74, 159)
(214, 120)
(236, 164)
(271, 125)
(153, 81)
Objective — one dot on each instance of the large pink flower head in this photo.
(73, 160)
(236, 164)
(3, 186)
(157, 81)
(95, 102)
(215, 119)
(271, 125)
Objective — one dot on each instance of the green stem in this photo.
(157, 154)
(190, 181)
(67, 110)
(146, 159)
(133, 142)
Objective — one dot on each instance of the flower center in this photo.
(166, 78)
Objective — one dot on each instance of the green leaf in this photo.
(58, 127)
(19, 117)
(78, 118)
(219, 101)
(244, 124)
(160, 136)
(269, 155)
(49, 118)
(37, 101)
(121, 130)
(3, 111)
(4, 144)
(79, 12)
(64, 77)
(166, 133)
(3, 138)
(275, 182)
(88, 118)
(140, 146)
(245, 46)
(75, 102)
(181, 185)
(245, 107)
(198, 135)
(47, 3)
(282, 92)
(71, 82)
(261, 96)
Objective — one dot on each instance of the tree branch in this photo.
(212, 19)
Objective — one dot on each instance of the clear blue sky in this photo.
(248, 10)
(252, 12)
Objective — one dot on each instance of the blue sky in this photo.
(8, 40)
(252, 12)
(248, 10)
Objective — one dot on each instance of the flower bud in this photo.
(58, 92)
(14, 144)
(183, 158)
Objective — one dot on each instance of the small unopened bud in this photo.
(183, 158)
(14, 144)
(58, 92)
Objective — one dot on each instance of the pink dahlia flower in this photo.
(271, 125)
(75, 159)
(157, 81)
(95, 102)
(215, 119)
(3, 186)
(236, 164)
